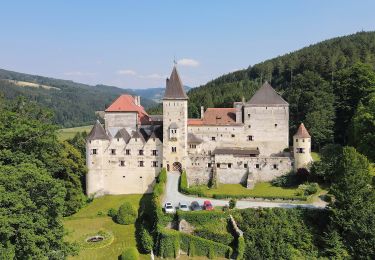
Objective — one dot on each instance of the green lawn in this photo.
(315, 156)
(261, 189)
(68, 133)
(87, 221)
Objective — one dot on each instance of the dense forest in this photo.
(73, 104)
(329, 86)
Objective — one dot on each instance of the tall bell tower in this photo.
(175, 112)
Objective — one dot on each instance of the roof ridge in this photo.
(266, 95)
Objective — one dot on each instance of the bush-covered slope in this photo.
(73, 103)
(323, 83)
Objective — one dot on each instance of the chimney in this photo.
(202, 112)
(137, 100)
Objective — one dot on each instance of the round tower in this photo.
(301, 148)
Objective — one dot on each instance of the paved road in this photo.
(174, 196)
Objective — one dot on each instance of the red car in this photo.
(207, 205)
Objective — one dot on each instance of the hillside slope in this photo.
(323, 84)
(73, 104)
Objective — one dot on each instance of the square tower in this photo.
(175, 113)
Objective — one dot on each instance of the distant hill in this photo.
(155, 94)
(73, 103)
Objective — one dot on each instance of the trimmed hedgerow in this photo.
(241, 248)
(204, 247)
(201, 217)
(217, 236)
(228, 196)
(130, 253)
(168, 243)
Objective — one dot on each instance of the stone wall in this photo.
(115, 121)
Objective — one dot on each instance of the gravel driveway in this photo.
(174, 196)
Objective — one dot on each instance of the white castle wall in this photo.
(119, 120)
(107, 176)
(303, 159)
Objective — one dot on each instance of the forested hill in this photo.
(317, 81)
(72, 103)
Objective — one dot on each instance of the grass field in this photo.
(92, 218)
(261, 189)
(68, 133)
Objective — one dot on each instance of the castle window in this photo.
(122, 163)
(155, 152)
(275, 125)
(213, 138)
(248, 115)
(249, 126)
(257, 166)
(140, 152)
(113, 151)
(141, 164)
(209, 165)
(127, 151)
(233, 135)
(154, 164)
(218, 165)
(300, 150)
(250, 138)
(245, 165)
(296, 140)
(94, 151)
(174, 149)
(275, 167)
(303, 140)
(118, 139)
(229, 165)
(193, 146)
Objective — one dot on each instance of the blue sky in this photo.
(132, 44)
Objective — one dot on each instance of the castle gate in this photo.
(177, 167)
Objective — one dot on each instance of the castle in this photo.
(244, 144)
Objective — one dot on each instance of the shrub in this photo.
(168, 243)
(100, 213)
(130, 253)
(201, 217)
(183, 187)
(126, 214)
(112, 212)
(232, 203)
(162, 178)
(308, 189)
(225, 208)
(146, 241)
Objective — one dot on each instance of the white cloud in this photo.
(78, 73)
(154, 76)
(127, 72)
(188, 62)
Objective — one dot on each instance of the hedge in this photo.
(130, 253)
(204, 247)
(228, 196)
(168, 243)
(200, 217)
(241, 248)
(220, 237)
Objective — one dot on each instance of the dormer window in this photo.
(113, 151)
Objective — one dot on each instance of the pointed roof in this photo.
(302, 132)
(138, 134)
(174, 88)
(97, 132)
(192, 138)
(122, 133)
(267, 96)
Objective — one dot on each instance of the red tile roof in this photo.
(126, 103)
(302, 132)
(216, 116)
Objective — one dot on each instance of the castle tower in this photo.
(302, 148)
(96, 145)
(175, 113)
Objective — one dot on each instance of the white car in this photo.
(183, 206)
(168, 208)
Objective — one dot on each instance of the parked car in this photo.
(168, 208)
(207, 205)
(183, 206)
(195, 206)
